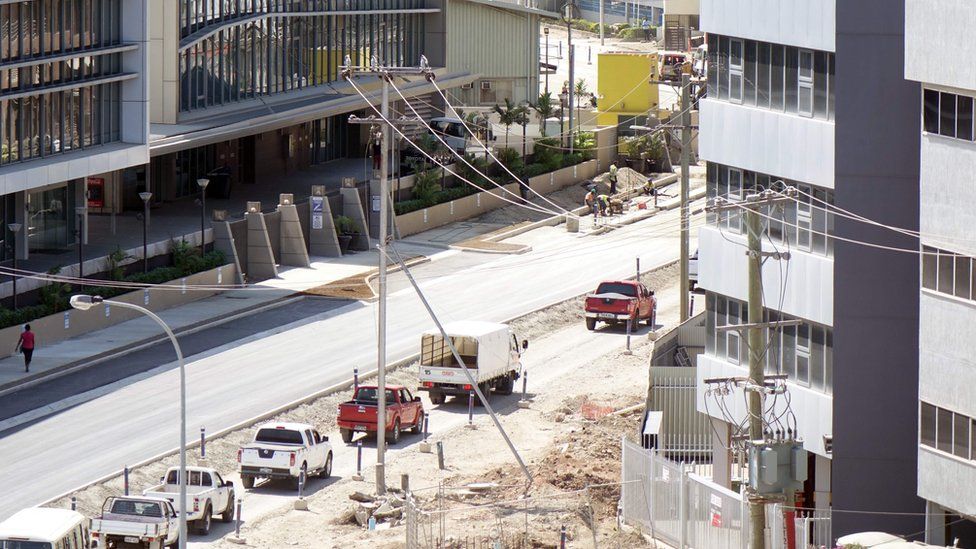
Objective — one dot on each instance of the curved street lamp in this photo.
(84, 302)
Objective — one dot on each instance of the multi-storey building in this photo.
(795, 99)
(947, 340)
(74, 107)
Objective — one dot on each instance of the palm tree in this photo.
(507, 116)
(580, 91)
(545, 107)
(522, 119)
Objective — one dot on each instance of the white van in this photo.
(45, 528)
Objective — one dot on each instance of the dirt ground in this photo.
(569, 438)
(568, 198)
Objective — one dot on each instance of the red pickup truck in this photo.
(621, 301)
(359, 414)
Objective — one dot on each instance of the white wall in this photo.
(65, 167)
(947, 481)
(723, 268)
(939, 42)
(947, 352)
(947, 193)
(778, 144)
(804, 23)
(813, 409)
(681, 7)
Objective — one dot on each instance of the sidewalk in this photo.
(91, 348)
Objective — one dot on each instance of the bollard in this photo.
(470, 424)
(405, 482)
(359, 461)
(524, 402)
(237, 525)
(562, 538)
(203, 442)
(74, 503)
(355, 381)
(426, 425)
(629, 323)
(560, 49)
(300, 503)
(691, 306)
(440, 455)
(589, 56)
(125, 479)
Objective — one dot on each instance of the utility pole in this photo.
(685, 168)
(601, 21)
(749, 208)
(385, 74)
(570, 12)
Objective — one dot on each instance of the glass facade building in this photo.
(233, 50)
(60, 76)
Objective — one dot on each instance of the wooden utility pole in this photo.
(685, 167)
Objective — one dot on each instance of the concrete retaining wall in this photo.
(480, 203)
(71, 323)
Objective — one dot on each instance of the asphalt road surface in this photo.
(242, 379)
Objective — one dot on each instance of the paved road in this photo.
(146, 359)
(242, 379)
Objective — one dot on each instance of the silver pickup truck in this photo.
(146, 522)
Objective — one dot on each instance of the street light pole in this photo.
(146, 197)
(570, 11)
(83, 302)
(203, 212)
(81, 211)
(15, 230)
(545, 30)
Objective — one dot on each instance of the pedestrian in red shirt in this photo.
(26, 345)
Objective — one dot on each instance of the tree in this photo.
(545, 107)
(507, 116)
(522, 119)
(580, 91)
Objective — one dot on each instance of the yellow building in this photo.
(624, 88)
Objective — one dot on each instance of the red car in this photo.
(616, 301)
(403, 410)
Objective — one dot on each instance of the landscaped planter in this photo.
(71, 323)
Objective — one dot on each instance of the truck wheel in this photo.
(591, 324)
(436, 398)
(326, 471)
(395, 433)
(346, 435)
(247, 481)
(302, 477)
(485, 390)
(418, 426)
(176, 542)
(203, 525)
(506, 385)
(228, 514)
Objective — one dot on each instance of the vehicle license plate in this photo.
(265, 469)
(131, 539)
(360, 428)
(607, 315)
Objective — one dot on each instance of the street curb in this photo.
(64, 369)
(294, 404)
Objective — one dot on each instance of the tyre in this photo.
(485, 390)
(395, 433)
(203, 525)
(228, 513)
(591, 324)
(247, 481)
(326, 471)
(418, 426)
(437, 398)
(175, 543)
(506, 385)
(346, 435)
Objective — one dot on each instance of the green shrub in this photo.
(425, 187)
(407, 206)
(534, 170)
(54, 296)
(345, 225)
(632, 33)
(572, 159)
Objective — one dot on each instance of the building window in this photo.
(947, 431)
(931, 111)
(805, 83)
(927, 425)
(948, 273)
(735, 71)
(948, 115)
(960, 436)
(943, 432)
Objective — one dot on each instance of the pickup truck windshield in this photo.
(13, 544)
(279, 436)
(137, 508)
(367, 395)
(611, 288)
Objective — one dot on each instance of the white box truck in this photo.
(491, 351)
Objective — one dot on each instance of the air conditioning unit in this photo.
(486, 85)
(467, 86)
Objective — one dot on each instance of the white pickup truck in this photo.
(206, 493)
(490, 351)
(146, 522)
(285, 450)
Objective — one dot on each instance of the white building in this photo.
(947, 320)
(768, 122)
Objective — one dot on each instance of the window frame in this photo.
(805, 84)
(737, 71)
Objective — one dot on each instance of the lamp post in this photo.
(80, 214)
(545, 30)
(15, 230)
(83, 303)
(203, 212)
(145, 196)
(569, 12)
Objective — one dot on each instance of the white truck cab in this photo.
(285, 451)
(207, 494)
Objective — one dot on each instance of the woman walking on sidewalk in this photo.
(26, 345)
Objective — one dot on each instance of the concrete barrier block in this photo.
(292, 242)
(260, 257)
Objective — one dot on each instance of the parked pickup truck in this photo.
(206, 493)
(285, 450)
(359, 414)
(618, 301)
(147, 522)
(490, 351)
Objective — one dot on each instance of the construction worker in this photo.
(613, 179)
(592, 201)
(604, 204)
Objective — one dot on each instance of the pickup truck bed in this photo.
(403, 410)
